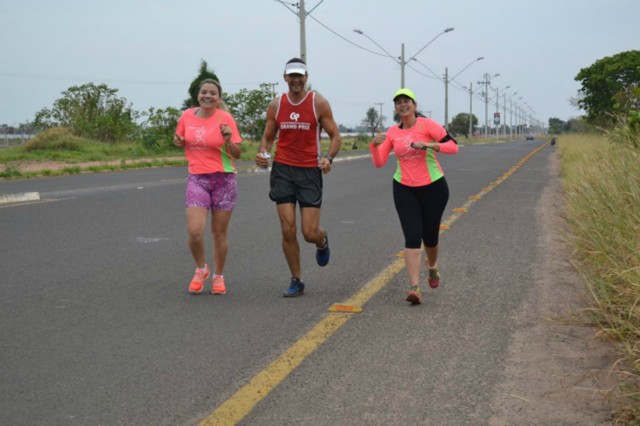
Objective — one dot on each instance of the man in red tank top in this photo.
(297, 118)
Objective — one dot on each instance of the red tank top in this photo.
(299, 132)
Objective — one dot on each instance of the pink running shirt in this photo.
(415, 167)
(204, 144)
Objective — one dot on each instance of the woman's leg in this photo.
(219, 225)
(196, 224)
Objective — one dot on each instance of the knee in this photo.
(289, 232)
(309, 235)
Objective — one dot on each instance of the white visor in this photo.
(295, 68)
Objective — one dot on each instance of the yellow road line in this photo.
(242, 402)
(246, 398)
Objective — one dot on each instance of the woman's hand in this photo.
(424, 145)
(178, 140)
(379, 137)
(226, 132)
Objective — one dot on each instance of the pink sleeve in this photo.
(180, 127)
(380, 154)
(448, 147)
(235, 133)
(437, 133)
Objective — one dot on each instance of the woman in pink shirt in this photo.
(420, 191)
(211, 141)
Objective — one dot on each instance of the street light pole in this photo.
(446, 98)
(401, 61)
(402, 64)
(446, 88)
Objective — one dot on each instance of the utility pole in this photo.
(504, 116)
(498, 111)
(471, 109)
(486, 104)
(302, 14)
(273, 88)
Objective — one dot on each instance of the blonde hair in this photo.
(222, 105)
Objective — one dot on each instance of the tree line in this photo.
(610, 96)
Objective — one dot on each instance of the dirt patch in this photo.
(558, 372)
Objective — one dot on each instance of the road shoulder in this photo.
(557, 371)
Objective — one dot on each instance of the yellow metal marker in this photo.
(338, 307)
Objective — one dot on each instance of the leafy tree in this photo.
(372, 120)
(607, 79)
(248, 108)
(203, 74)
(460, 123)
(556, 125)
(157, 131)
(93, 111)
(577, 125)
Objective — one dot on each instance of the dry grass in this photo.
(602, 185)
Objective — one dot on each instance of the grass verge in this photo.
(602, 185)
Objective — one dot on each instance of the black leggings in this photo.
(420, 211)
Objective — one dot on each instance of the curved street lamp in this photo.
(401, 61)
(446, 88)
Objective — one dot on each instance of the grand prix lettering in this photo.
(294, 124)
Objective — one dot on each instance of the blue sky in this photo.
(150, 50)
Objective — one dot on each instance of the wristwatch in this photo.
(330, 158)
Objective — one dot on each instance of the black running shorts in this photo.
(291, 184)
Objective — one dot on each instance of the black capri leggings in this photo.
(420, 211)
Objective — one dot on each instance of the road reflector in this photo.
(337, 307)
(460, 210)
(444, 227)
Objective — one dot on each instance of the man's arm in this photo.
(269, 135)
(325, 117)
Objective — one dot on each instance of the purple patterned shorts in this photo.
(217, 191)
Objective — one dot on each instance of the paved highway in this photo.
(98, 327)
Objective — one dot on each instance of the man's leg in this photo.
(311, 230)
(313, 233)
(290, 247)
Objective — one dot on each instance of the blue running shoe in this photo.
(296, 288)
(323, 253)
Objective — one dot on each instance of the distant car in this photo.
(529, 137)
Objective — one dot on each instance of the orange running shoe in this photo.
(218, 285)
(197, 283)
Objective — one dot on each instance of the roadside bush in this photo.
(54, 139)
(92, 111)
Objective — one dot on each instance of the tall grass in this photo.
(601, 176)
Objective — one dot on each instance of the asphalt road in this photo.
(98, 327)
